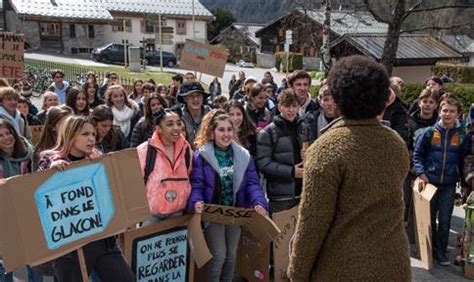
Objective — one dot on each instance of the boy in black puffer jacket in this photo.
(280, 154)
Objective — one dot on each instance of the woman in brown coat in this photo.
(350, 225)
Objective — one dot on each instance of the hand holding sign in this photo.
(60, 165)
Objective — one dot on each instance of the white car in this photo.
(244, 64)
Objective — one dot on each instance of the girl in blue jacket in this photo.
(223, 173)
(438, 159)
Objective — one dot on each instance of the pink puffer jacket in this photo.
(168, 187)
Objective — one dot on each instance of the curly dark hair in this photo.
(359, 86)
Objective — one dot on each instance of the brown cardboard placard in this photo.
(47, 214)
(286, 221)
(262, 227)
(160, 251)
(204, 58)
(253, 258)
(36, 133)
(12, 49)
(197, 242)
(421, 202)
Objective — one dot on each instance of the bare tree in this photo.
(396, 12)
(325, 51)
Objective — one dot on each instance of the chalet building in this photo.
(307, 27)
(416, 54)
(240, 41)
(76, 27)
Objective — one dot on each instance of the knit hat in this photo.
(435, 79)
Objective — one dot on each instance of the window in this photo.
(72, 30)
(50, 29)
(181, 27)
(117, 25)
(147, 27)
(90, 31)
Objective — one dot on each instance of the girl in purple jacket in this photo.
(223, 173)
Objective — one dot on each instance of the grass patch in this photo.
(126, 77)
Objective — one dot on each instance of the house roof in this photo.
(100, 9)
(410, 47)
(245, 29)
(462, 43)
(164, 7)
(249, 30)
(85, 9)
(344, 22)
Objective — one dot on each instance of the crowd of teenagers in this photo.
(249, 151)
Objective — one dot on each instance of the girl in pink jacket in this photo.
(165, 161)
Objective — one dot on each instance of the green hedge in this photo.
(464, 91)
(460, 73)
(295, 61)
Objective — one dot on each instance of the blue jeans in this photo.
(442, 206)
(223, 241)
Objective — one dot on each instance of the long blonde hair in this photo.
(209, 123)
(70, 130)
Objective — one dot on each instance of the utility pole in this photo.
(194, 23)
(161, 41)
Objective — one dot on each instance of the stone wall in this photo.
(265, 60)
(82, 39)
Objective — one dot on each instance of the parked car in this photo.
(244, 64)
(153, 58)
(109, 53)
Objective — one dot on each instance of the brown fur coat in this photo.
(350, 225)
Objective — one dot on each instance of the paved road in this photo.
(440, 273)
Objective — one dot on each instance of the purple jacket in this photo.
(204, 177)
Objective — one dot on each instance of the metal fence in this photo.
(72, 73)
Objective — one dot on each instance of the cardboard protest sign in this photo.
(36, 131)
(253, 258)
(47, 214)
(12, 49)
(421, 201)
(160, 251)
(204, 58)
(286, 221)
(197, 242)
(261, 227)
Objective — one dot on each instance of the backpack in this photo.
(151, 157)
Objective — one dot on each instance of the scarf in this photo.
(14, 120)
(303, 107)
(123, 118)
(11, 166)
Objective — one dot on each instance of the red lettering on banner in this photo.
(8, 71)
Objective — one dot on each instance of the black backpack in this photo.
(151, 157)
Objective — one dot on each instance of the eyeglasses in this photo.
(113, 77)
